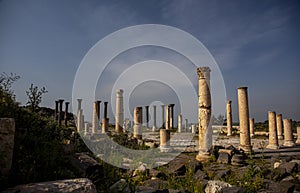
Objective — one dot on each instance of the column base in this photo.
(246, 148)
(289, 143)
(298, 141)
(252, 135)
(203, 157)
(280, 137)
(165, 149)
(271, 146)
(229, 134)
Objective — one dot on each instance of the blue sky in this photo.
(255, 43)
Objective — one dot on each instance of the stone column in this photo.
(66, 113)
(167, 117)
(95, 122)
(79, 121)
(138, 121)
(245, 142)
(279, 126)
(288, 133)
(119, 111)
(251, 125)
(186, 125)
(229, 118)
(105, 120)
(164, 140)
(193, 128)
(204, 113)
(56, 111)
(98, 109)
(79, 104)
(171, 115)
(147, 116)
(163, 116)
(60, 114)
(154, 118)
(179, 123)
(298, 135)
(273, 140)
(86, 128)
(7, 135)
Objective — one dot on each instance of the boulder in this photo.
(156, 183)
(214, 186)
(78, 185)
(289, 167)
(224, 158)
(120, 186)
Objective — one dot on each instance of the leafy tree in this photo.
(35, 96)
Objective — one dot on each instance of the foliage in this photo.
(35, 96)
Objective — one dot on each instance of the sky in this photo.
(254, 43)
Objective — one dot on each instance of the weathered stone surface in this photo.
(224, 158)
(79, 185)
(237, 160)
(7, 134)
(145, 189)
(120, 186)
(86, 165)
(233, 189)
(216, 186)
(282, 187)
(200, 175)
(156, 183)
(289, 167)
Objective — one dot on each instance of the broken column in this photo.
(7, 134)
(98, 109)
(164, 135)
(60, 113)
(273, 140)
(154, 118)
(204, 113)
(138, 121)
(86, 128)
(251, 125)
(163, 116)
(279, 126)
(193, 128)
(298, 135)
(171, 115)
(147, 116)
(245, 143)
(288, 133)
(66, 113)
(105, 120)
(179, 127)
(119, 111)
(229, 118)
(95, 122)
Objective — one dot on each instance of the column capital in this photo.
(203, 72)
(119, 91)
(243, 88)
(229, 101)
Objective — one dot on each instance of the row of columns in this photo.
(59, 115)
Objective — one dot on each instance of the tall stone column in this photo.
(229, 118)
(138, 121)
(171, 115)
(288, 133)
(298, 135)
(56, 111)
(204, 113)
(79, 101)
(163, 116)
(279, 126)
(167, 117)
(186, 125)
(105, 120)
(95, 122)
(98, 109)
(245, 142)
(66, 113)
(79, 120)
(119, 111)
(60, 113)
(147, 116)
(179, 123)
(154, 118)
(193, 128)
(251, 125)
(273, 139)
